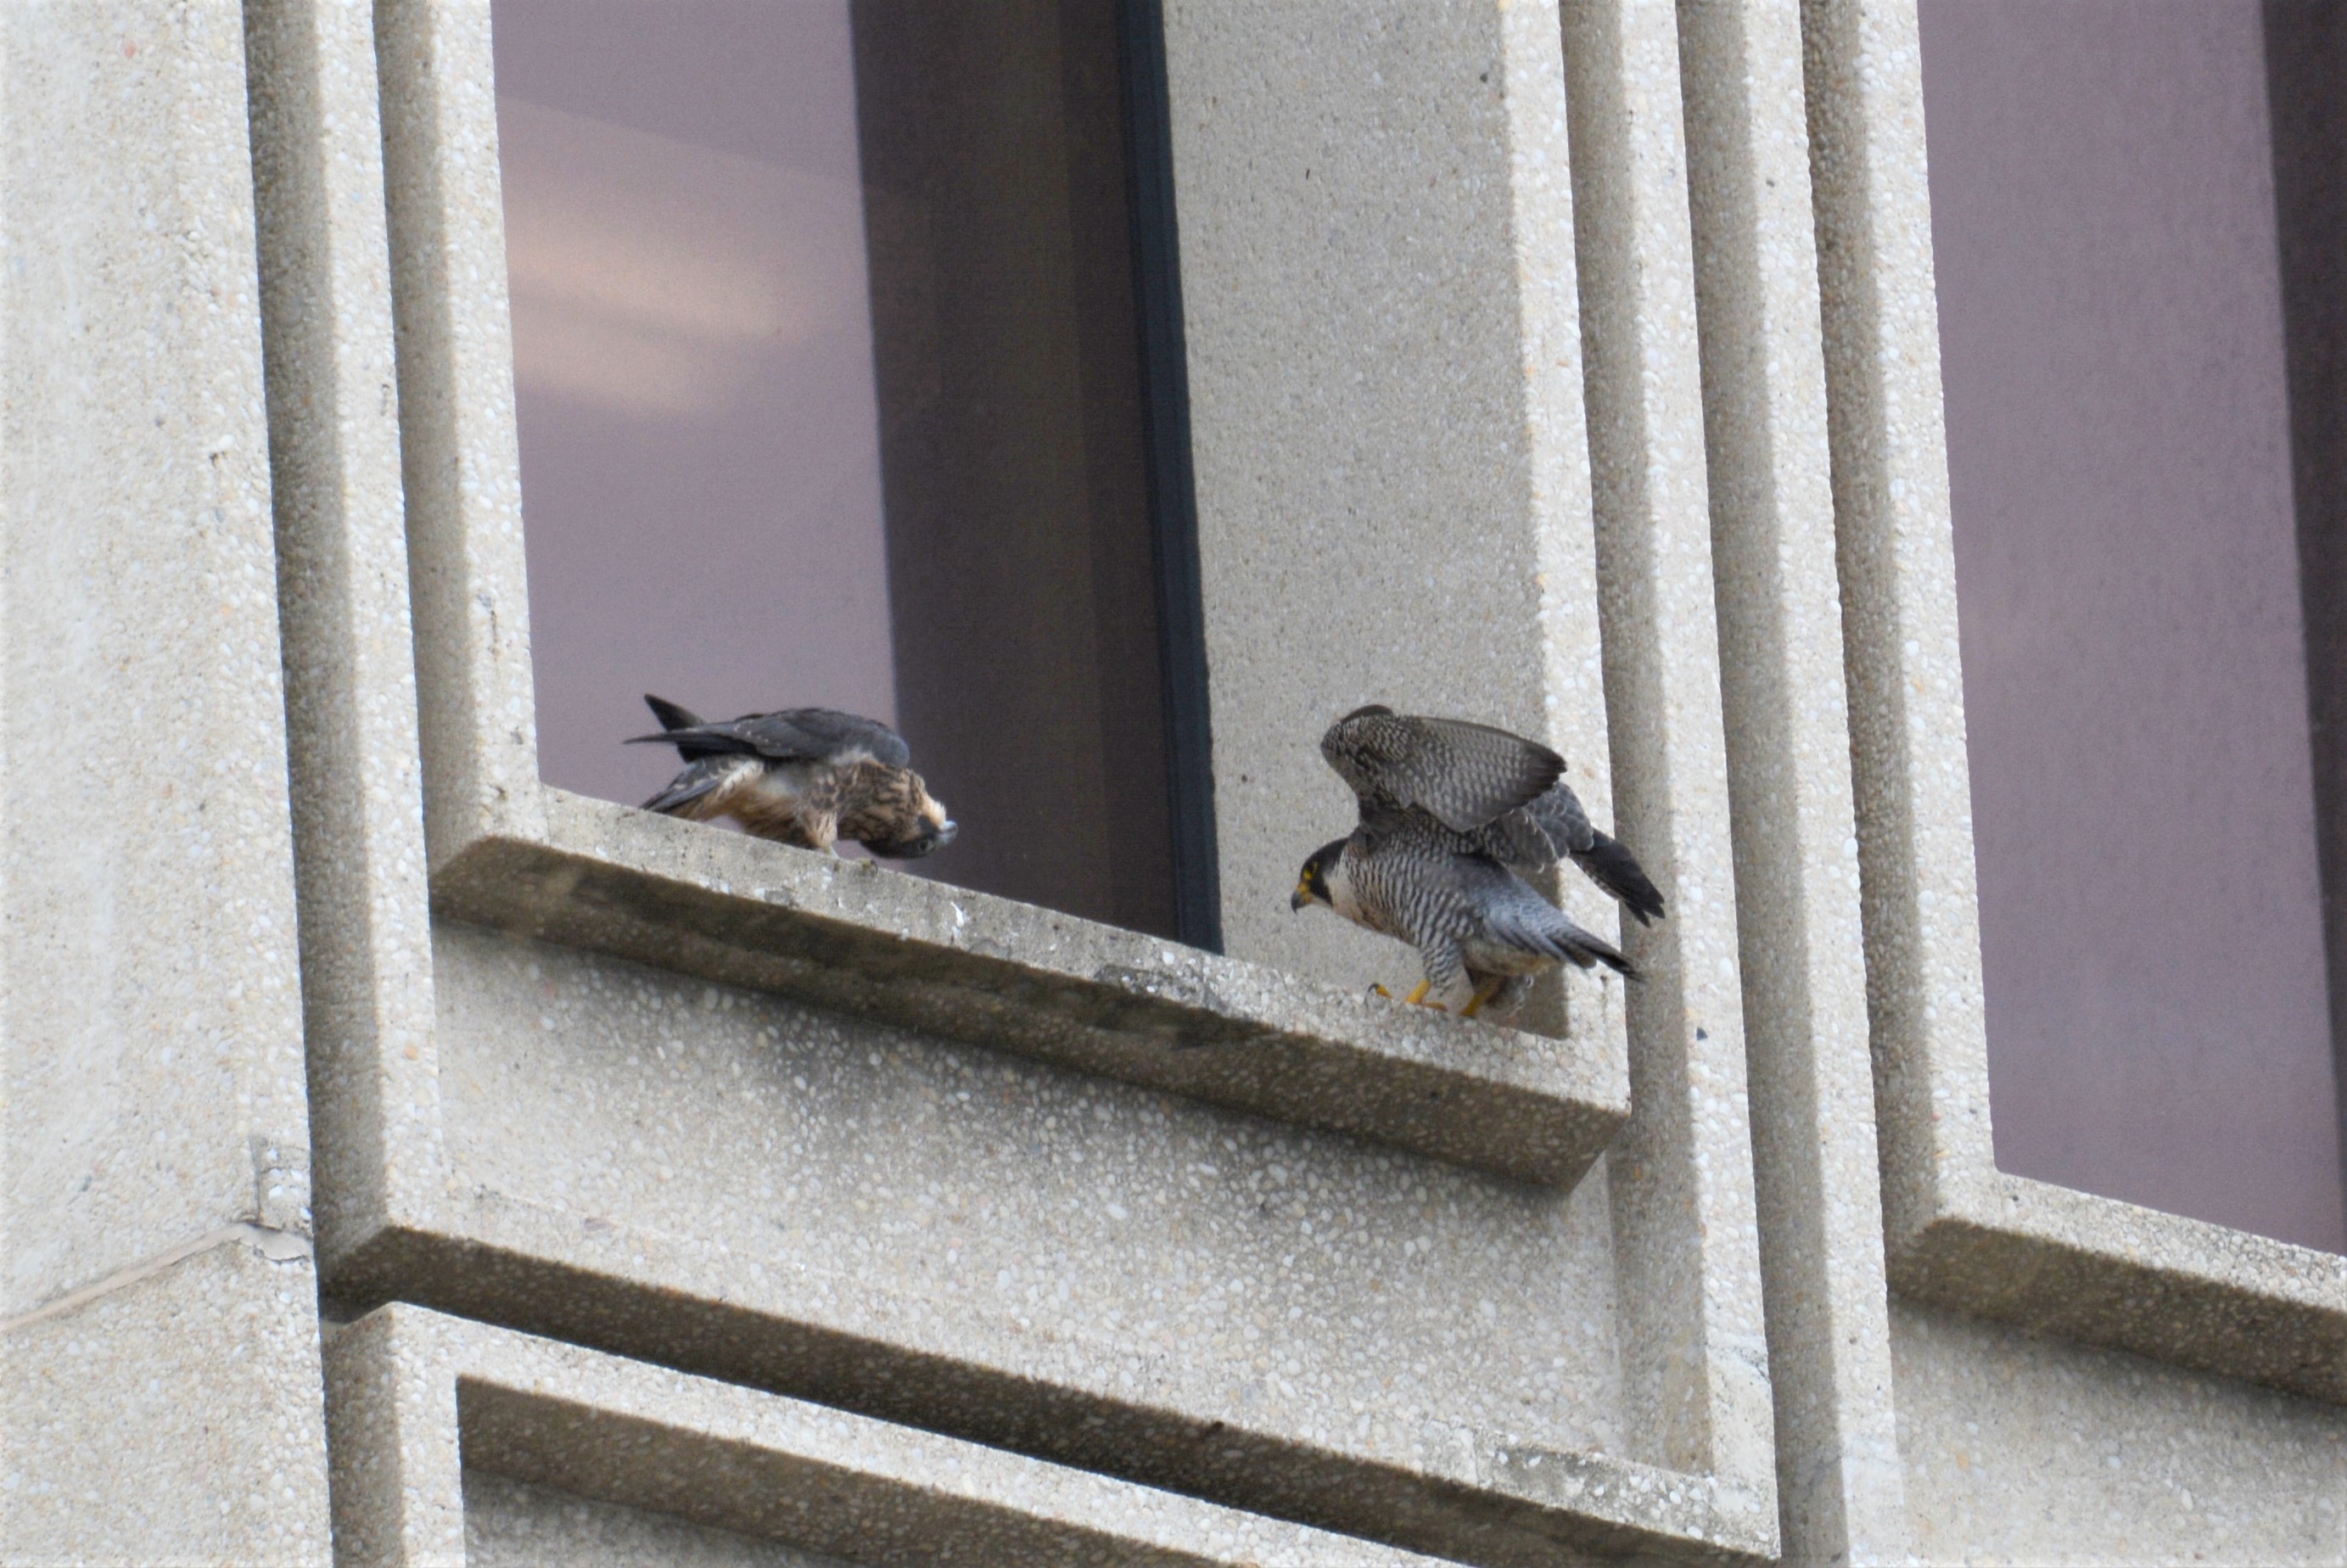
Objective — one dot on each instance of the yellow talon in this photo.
(1378, 990)
(1417, 997)
(1484, 991)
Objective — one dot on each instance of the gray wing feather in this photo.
(794, 734)
(1536, 835)
(1464, 775)
(1554, 827)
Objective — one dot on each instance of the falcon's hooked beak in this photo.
(1312, 882)
(934, 837)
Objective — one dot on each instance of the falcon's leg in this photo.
(1445, 966)
(1416, 998)
(1486, 989)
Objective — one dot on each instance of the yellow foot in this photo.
(1417, 997)
(1375, 991)
(1484, 991)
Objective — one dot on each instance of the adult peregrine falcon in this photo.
(1505, 795)
(1450, 813)
(808, 776)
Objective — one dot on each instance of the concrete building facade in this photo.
(411, 1161)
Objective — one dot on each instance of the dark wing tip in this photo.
(1610, 864)
(684, 789)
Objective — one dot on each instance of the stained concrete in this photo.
(514, 1523)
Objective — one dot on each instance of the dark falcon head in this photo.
(1312, 882)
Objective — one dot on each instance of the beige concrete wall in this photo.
(1575, 369)
(159, 1380)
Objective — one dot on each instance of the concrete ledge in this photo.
(422, 1398)
(853, 936)
(403, 1380)
(2103, 1271)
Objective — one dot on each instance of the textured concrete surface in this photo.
(514, 1523)
(1786, 724)
(479, 1409)
(1120, 1274)
(342, 562)
(152, 1079)
(855, 935)
(997, 1188)
(153, 1034)
(207, 1372)
(1122, 1279)
(2026, 1450)
(1392, 468)
(1695, 1350)
(487, 809)
(1516, 1431)
(460, 461)
(1958, 1231)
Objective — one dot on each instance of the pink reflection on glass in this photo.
(693, 357)
(2103, 215)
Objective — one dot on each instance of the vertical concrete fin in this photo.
(460, 459)
(1695, 1359)
(342, 610)
(1796, 897)
(1862, 66)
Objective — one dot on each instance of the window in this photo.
(848, 372)
(2120, 394)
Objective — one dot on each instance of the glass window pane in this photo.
(2127, 556)
(829, 371)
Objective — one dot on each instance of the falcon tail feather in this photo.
(670, 716)
(687, 732)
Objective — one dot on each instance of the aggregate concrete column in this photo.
(1392, 480)
(1663, 706)
(1863, 65)
(161, 1396)
(1796, 897)
(350, 667)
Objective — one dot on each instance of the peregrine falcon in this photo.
(1450, 811)
(1504, 794)
(808, 776)
(1403, 874)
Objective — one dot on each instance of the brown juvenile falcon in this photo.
(808, 776)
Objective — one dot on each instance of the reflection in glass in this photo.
(827, 354)
(2134, 664)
